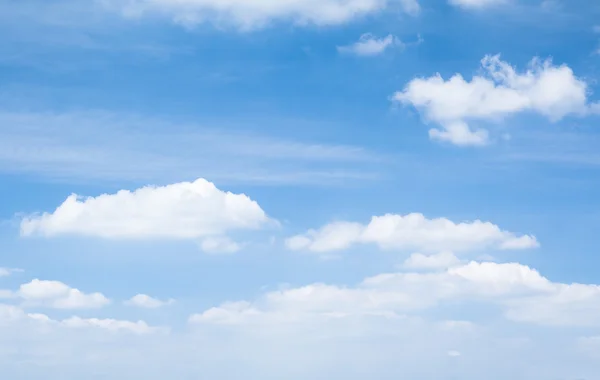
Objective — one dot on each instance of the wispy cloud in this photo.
(108, 146)
(369, 45)
(563, 148)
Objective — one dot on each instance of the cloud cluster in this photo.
(521, 292)
(546, 89)
(186, 210)
(253, 14)
(411, 232)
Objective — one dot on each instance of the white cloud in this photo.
(477, 4)
(113, 325)
(568, 305)
(453, 353)
(252, 14)
(369, 45)
(185, 210)
(145, 301)
(437, 261)
(4, 294)
(10, 313)
(58, 295)
(523, 294)
(219, 244)
(5, 272)
(411, 232)
(551, 91)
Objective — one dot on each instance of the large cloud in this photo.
(411, 232)
(549, 90)
(184, 210)
(250, 14)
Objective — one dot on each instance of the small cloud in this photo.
(477, 4)
(441, 260)
(369, 45)
(219, 244)
(5, 272)
(147, 302)
(454, 354)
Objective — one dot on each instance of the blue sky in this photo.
(299, 189)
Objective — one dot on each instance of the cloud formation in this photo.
(186, 210)
(520, 291)
(411, 232)
(501, 91)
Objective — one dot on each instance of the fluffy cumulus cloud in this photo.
(549, 90)
(252, 14)
(522, 293)
(411, 232)
(147, 302)
(55, 294)
(369, 45)
(186, 210)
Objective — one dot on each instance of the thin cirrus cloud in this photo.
(219, 245)
(5, 272)
(186, 210)
(253, 14)
(369, 45)
(544, 88)
(411, 232)
(147, 302)
(522, 293)
(477, 4)
(57, 295)
(99, 146)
